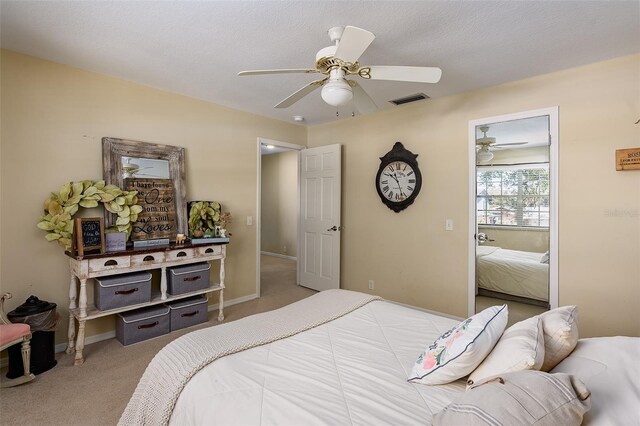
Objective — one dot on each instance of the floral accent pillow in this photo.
(460, 350)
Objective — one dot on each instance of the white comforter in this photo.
(610, 367)
(518, 273)
(352, 370)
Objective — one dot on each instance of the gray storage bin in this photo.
(188, 312)
(142, 324)
(188, 278)
(117, 291)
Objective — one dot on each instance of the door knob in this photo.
(334, 228)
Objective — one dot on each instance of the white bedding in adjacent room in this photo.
(352, 370)
(513, 272)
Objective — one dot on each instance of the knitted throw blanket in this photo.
(169, 371)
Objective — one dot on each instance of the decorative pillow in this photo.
(560, 327)
(520, 398)
(545, 257)
(521, 347)
(459, 351)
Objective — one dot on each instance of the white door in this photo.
(319, 245)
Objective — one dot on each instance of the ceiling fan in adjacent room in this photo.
(340, 61)
(486, 144)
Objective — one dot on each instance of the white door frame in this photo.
(552, 112)
(258, 221)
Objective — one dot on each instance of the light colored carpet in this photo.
(517, 311)
(97, 392)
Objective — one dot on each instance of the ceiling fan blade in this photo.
(283, 71)
(510, 144)
(414, 74)
(361, 100)
(295, 97)
(353, 43)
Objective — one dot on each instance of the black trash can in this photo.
(42, 317)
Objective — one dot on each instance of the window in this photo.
(513, 195)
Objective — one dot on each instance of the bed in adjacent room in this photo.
(338, 357)
(519, 274)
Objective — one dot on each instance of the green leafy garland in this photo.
(60, 207)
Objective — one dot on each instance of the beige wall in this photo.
(53, 119)
(279, 208)
(414, 260)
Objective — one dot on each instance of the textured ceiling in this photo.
(197, 48)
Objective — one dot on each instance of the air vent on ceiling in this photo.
(408, 99)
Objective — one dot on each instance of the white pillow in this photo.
(459, 351)
(560, 327)
(545, 257)
(521, 347)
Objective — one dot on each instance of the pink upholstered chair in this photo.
(10, 334)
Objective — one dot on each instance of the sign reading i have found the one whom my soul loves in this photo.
(158, 217)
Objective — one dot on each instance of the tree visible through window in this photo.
(513, 196)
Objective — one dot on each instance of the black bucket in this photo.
(42, 318)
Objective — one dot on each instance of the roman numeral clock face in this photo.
(398, 180)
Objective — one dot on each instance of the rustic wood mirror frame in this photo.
(113, 149)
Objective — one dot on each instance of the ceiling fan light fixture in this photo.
(337, 92)
(484, 155)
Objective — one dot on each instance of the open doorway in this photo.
(315, 243)
(277, 221)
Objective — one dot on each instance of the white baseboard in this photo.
(233, 301)
(61, 347)
(283, 256)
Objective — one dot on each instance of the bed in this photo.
(519, 274)
(350, 370)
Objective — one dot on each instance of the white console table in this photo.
(92, 266)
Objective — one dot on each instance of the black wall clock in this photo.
(399, 179)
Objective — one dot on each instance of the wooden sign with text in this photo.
(158, 217)
(628, 159)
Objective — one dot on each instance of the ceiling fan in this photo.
(487, 144)
(341, 60)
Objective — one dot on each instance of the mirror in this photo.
(512, 217)
(122, 158)
(144, 168)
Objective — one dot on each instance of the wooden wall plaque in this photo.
(628, 159)
(158, 217)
